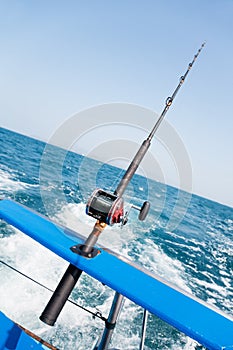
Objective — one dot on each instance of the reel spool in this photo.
(105, 207)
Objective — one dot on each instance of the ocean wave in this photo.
(9, 183)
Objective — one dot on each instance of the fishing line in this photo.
(97, 314)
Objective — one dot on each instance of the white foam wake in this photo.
(9, 184)
(24, 301)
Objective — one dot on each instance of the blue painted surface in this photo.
(188, 314)
(14, 338)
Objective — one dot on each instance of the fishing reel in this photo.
(109, 208)
(105, 207)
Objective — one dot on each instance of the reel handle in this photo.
(143, 211)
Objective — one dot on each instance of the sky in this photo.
(59, 58)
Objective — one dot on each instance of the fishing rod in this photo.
(108, 209)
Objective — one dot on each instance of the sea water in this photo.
(188, 240)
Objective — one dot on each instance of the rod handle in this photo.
(60, 295)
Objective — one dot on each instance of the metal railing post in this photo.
(110, 323)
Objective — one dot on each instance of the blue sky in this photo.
(61, 57)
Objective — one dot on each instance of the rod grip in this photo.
(60, 295)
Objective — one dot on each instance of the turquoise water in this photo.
(186, 240)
